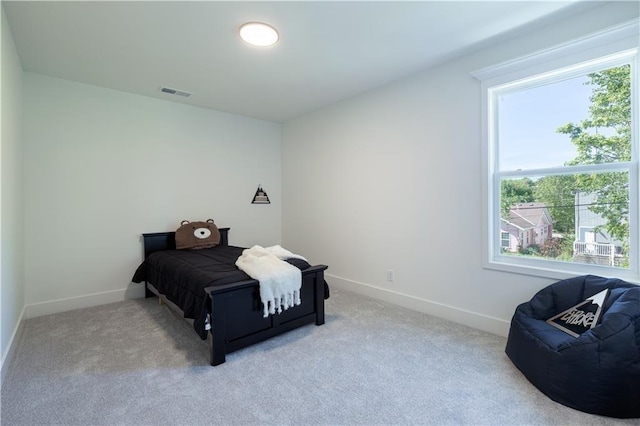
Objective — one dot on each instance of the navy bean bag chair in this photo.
(597, 372)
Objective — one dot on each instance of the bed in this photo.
(223, 301)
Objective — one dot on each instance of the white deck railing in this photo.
(595, 249)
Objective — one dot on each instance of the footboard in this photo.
(237, 316)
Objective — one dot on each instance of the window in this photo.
(504, 238)
(561, 158)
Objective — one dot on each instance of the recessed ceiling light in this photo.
(259, 34)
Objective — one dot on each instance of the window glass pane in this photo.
(582, 120)
(505, 239)
(581, 218)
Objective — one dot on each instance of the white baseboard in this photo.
(13, 341)
(440, 310)
(62, 305)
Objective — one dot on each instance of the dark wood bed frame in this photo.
(237, 316)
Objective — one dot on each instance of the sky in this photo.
(529, 119)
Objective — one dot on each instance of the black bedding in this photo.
(182, 276)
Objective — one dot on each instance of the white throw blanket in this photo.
(280, 281)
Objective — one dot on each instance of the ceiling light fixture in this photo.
(259, 34)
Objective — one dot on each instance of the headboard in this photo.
(158, 241)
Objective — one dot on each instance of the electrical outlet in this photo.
(390, 276)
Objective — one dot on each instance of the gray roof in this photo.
(529, 215)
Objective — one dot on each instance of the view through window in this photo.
(563, 170)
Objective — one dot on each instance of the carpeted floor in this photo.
(136, 362)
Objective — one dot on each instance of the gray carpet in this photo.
(136, 362)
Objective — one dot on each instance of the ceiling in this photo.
(328, 50)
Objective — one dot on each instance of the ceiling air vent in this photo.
(176, 92)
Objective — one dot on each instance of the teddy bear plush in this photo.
(197, 235)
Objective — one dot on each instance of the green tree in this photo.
(605, 137)
(558, 193)
(513, 191)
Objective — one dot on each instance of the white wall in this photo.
(102, 167)
(392, 180)
(12, 277)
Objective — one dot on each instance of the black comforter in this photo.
(182, 276)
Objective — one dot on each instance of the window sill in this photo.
(547, 270)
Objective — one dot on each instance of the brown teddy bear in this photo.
(197, 235)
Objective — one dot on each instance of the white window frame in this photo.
(605, 49)
(503, 239)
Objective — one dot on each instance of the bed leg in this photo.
(319, 296)
(218, 337)
(147, 292)
(217, 356)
